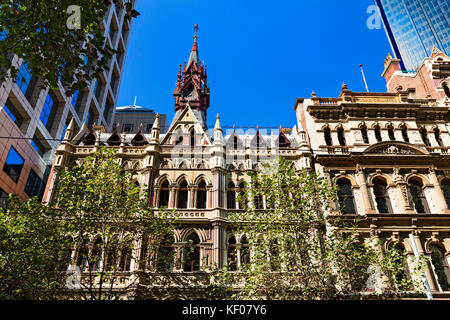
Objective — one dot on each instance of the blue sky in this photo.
(261, 55)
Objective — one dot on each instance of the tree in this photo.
(296, 250)
(56, 39)
(99, 216)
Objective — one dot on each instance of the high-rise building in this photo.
(131, 119)
(414, 27)
(33, 119)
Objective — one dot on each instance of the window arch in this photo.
(327, 136)
(165, 254)
(164, 194)
(446, 190)
(192, 137)
(381, 196)
(192, 253)
(97, 254)
(125, 258)
(183, 195)
(364, 135)
(231, 196)
(391, 132)
(440, 266)
(232, 254)
(341, 136)
(245, 252)
(417, 197)
(401, 274)
(446, 90)
(243, 200)
(437, 136)
(201, 195)
(423, 134)
(405, 133)
(378, 133)
(83, 252)
(345, 196)
(258, 199)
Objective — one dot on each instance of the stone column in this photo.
(361, 179)
(217, 250)
(438, 191)
(172, 197)
(403, 186)
(192, 197)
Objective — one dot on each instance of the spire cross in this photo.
(196, 30)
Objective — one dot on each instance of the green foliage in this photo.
(297, 252)
(36, 30)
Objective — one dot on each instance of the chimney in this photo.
(390, 66)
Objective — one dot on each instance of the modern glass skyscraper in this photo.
(414, 27)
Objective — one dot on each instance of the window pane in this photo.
(33, 186)
(46, 109)
(13, 165)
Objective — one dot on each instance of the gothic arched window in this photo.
(446, 90)
(446, 190)
(245, 252)
(125, 258)
(417, 197)
(242, 202)
(341, 136)
(183, 195)
(345, 196)
(164, 195)
(405, 133)
(423, 134)
(378, 133)
(192, 136)
(391, 132)
(231, 196)
(327, 136)
(437, 136)
(258, 198)
(232, 254)
(192, 253)
(381, 196)
(165, 254)
(201, 195)
(440, 265)
(83, 252)
(364, 135)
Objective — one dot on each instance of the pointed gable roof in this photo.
(139, 139)
(258, 140)
(115, 139)
(90, 138)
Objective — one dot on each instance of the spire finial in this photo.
(195, 30)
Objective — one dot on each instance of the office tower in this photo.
(33, 119)
(414, 27)
(131, 119)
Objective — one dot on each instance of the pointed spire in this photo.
(155, 131)
(69, 130)
(194, 52)
(156, 122)
(218, 126)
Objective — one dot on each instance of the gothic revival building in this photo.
(388, 153)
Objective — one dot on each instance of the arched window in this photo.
(405, 134)
(201, 195)
(391, 132)
(417, 197)
(401, 273)
(446, 189)
(274, 255)
(192, 135)
(179, 138)
(165, 254)
(111, 257)
(164, 195)
(97, 254)
(83, 252)
(242, 202)
(440, 266)
(381, 196)
(364, 135)
(125, 258)
(258, 198)
(437, 136)
(345, 196)
(183, 195)
(446, 90)
(341, 136)
(245, 252)
(423, 134)
(231, 196)
(378, 133)
(327, 135)
(192, 253)
(232, 254)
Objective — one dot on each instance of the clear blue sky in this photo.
(261, 55)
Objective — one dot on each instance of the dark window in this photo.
(345, 196)
(245, 252)
(165, 255)
(400, 275)
(274, 252)
(192, 253)
(437, 136)
(440, 265)
(364, 134)
(36, 143)
(258, 198)
(125, 259)
(231, 196)
(232, 254)
(33, 186)
(242, 200)
(423, 134)
(327, 135)
(183, 195)
(3, 197)
(82, 260)
(417, 197)
(378, 133)
(201, 195)
(405, 134)
(164, 195)
(341, 136)
(47, 109)
(446, 190)
(192, 134)
(391, 133)
(13, 165)
(446, 90)
(12, 112)
(381, 196)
